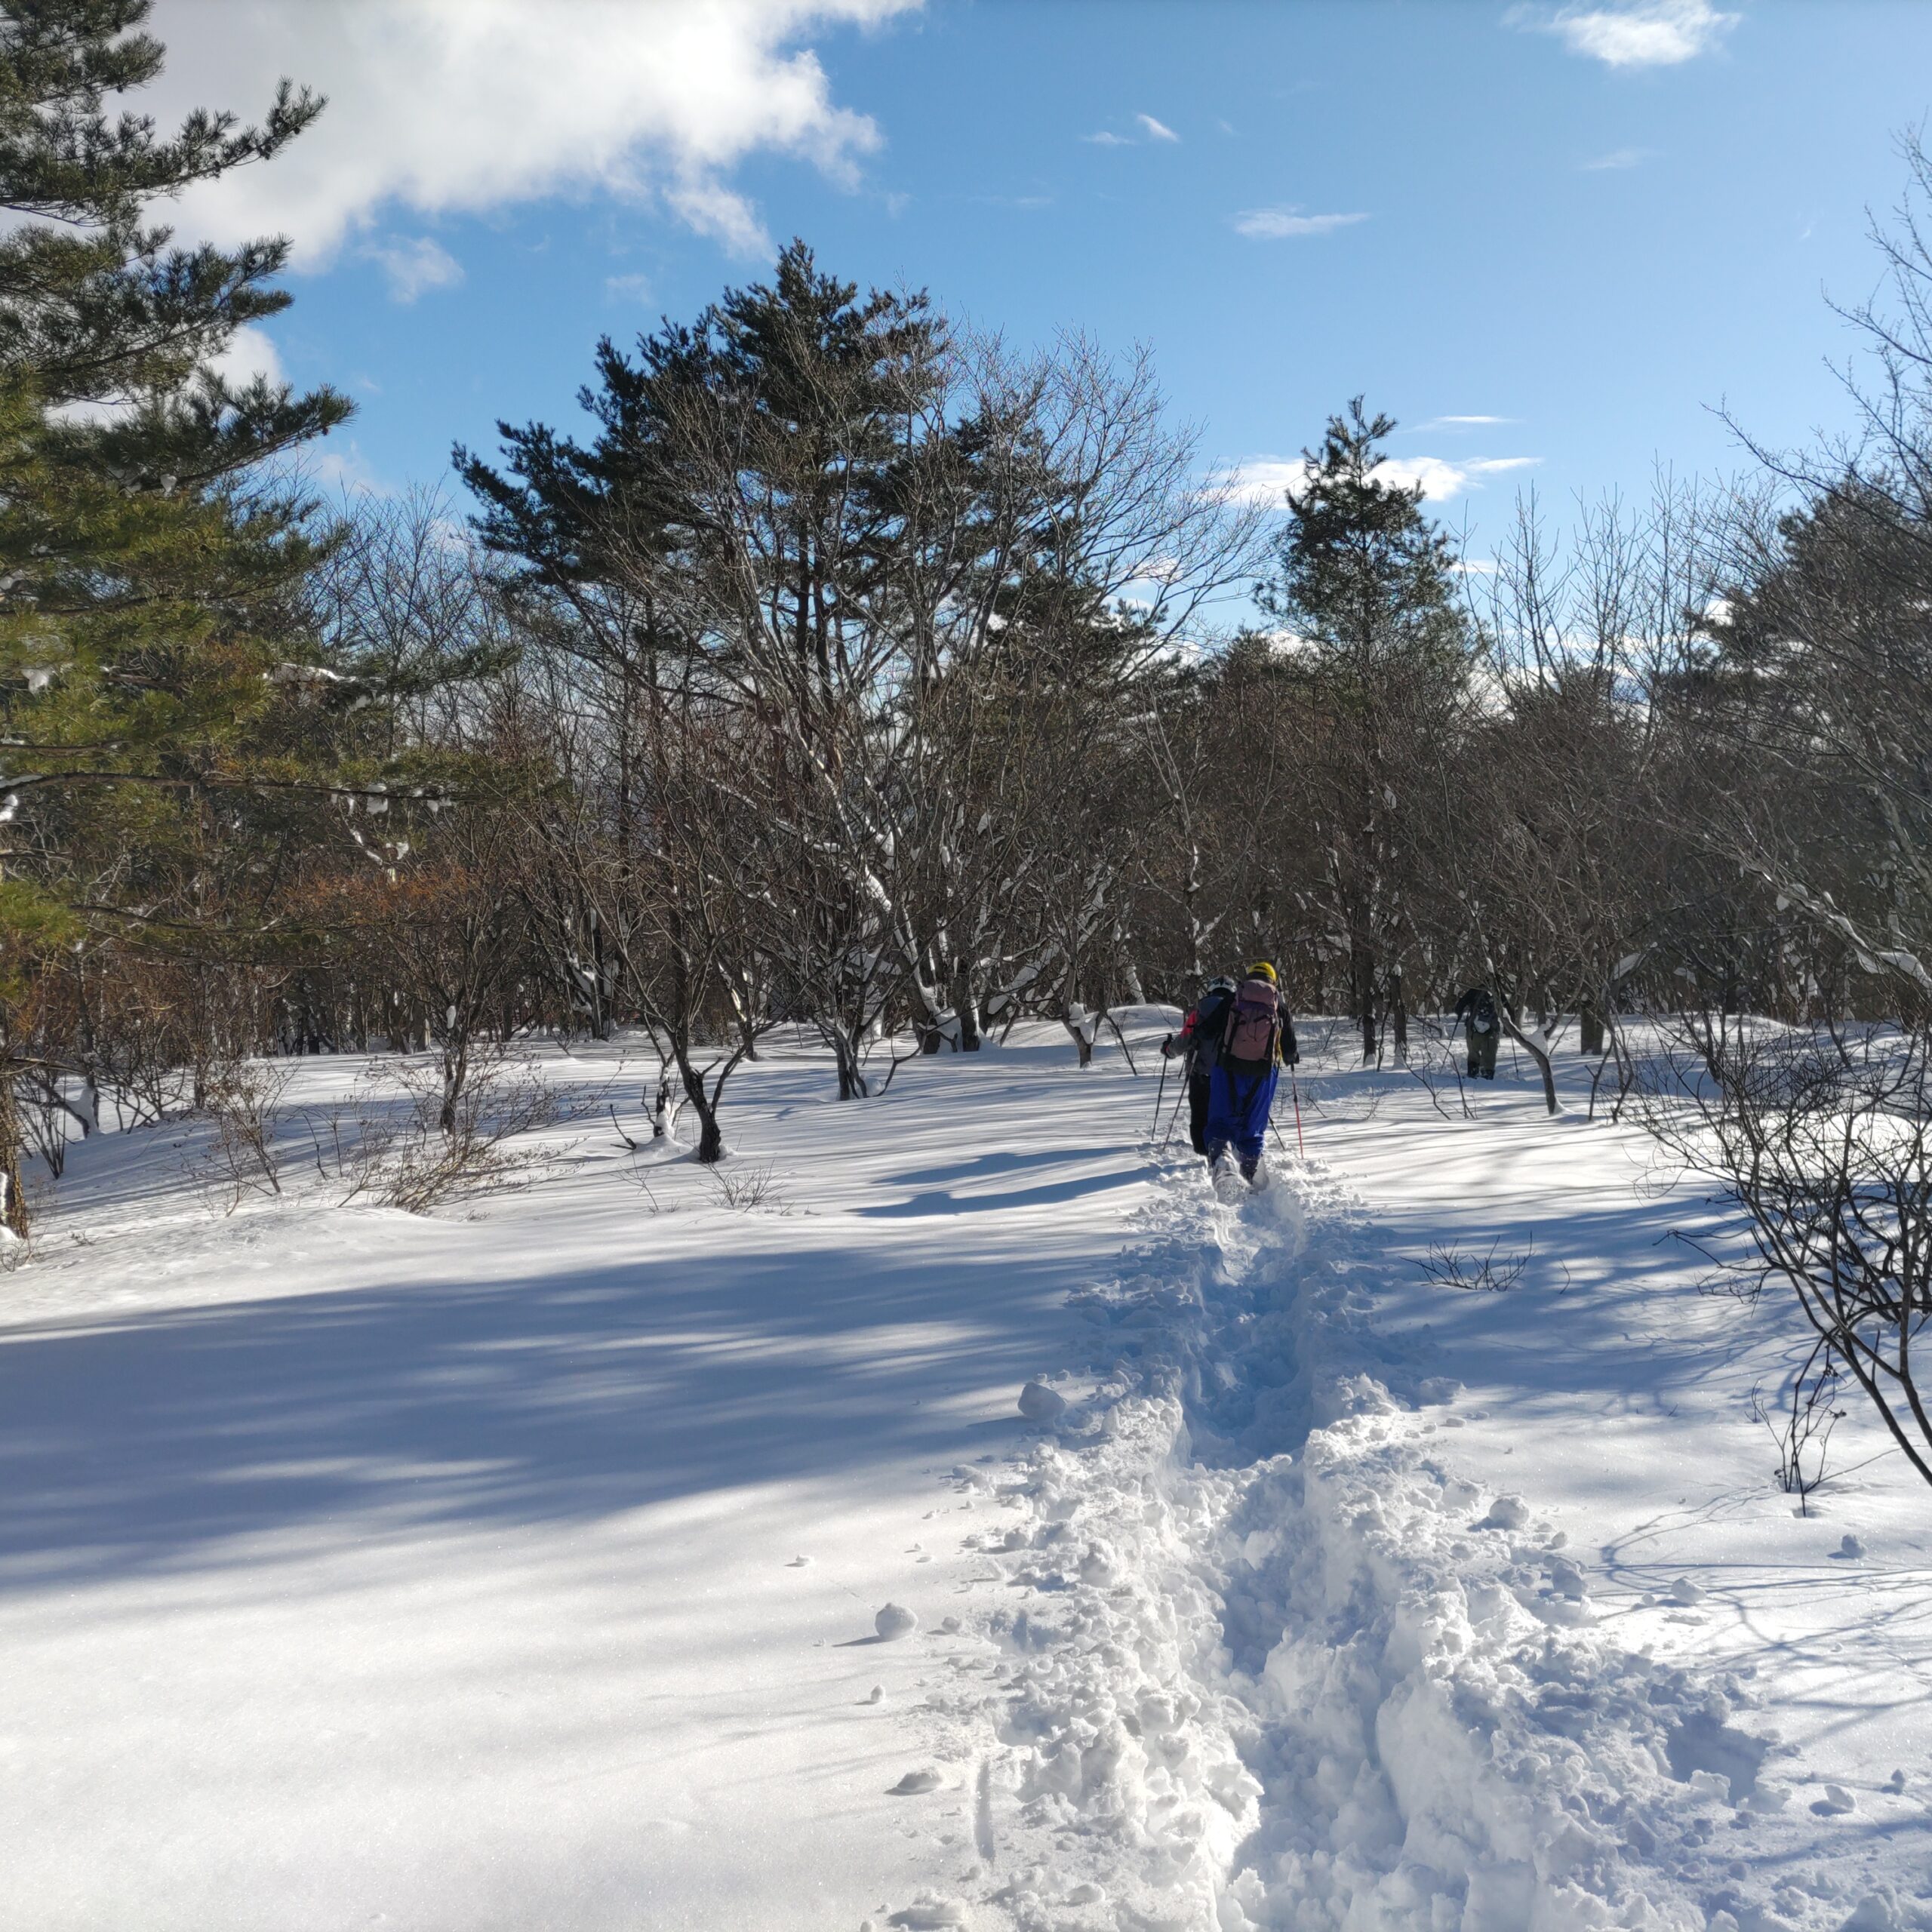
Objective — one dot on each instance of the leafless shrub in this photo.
(1822, 1143)
(1801, 1421)
(750, 1190)
(1449, 1266)
(401, 1145)
(243, 1102)
(48, 1117)
(653, 1205)
(1434, 1066)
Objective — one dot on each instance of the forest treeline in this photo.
(845, 668)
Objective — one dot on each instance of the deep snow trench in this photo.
(1258, 1657)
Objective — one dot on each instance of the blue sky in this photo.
(1593, 224)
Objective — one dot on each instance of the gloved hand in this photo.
(1167, 1047)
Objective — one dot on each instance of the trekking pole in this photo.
(1174, 1119)
(1294, 1087)
(1159, 1092)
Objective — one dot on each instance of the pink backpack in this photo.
(1251, 1023)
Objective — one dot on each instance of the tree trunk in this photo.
(710, 1139)
(1363, 975)
(964, 1014)
(13, 1195)
(1083, 1041)
(853, 1084)
(1589, 1027)
(1398, 1013)
(1537, 1052)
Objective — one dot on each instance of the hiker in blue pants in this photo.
(1257, 1038)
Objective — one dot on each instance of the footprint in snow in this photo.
(915, 1784)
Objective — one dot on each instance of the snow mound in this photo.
(1038, 1403)
(895, 1620)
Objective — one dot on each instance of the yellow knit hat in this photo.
(1261, 969)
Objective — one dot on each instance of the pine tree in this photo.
(1367, 586)
(150, 578)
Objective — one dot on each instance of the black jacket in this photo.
(1477, 1009)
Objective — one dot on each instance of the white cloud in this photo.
(627, 287)
(1266, 479)
(415, 263)
(1282, 224)
(341, 469)
(1641, 33)
(1270, 480)
(454, 106)
(1463, 423)
(1496, 466)
(1151, 129)
(1617, 158)
(249, 354)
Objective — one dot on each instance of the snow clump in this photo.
(1038, 1403)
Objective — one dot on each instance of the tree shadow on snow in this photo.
(147, 1445)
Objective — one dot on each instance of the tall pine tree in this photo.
(148, 573)
(1367, 584)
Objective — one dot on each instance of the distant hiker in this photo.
(1255, 1038)
(1195, 1046)
(1477, 1011)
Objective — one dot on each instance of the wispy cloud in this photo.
(1272, 480)
(1285, 224)
(414, 265)
(1617, 158)
(1151, 129)
(627, 287)
(1461, 422)
(1640, 33)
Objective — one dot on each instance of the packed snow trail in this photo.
(1261, 1656)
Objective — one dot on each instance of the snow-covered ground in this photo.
(522, 1566)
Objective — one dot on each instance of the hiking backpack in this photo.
(1253, 1021)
